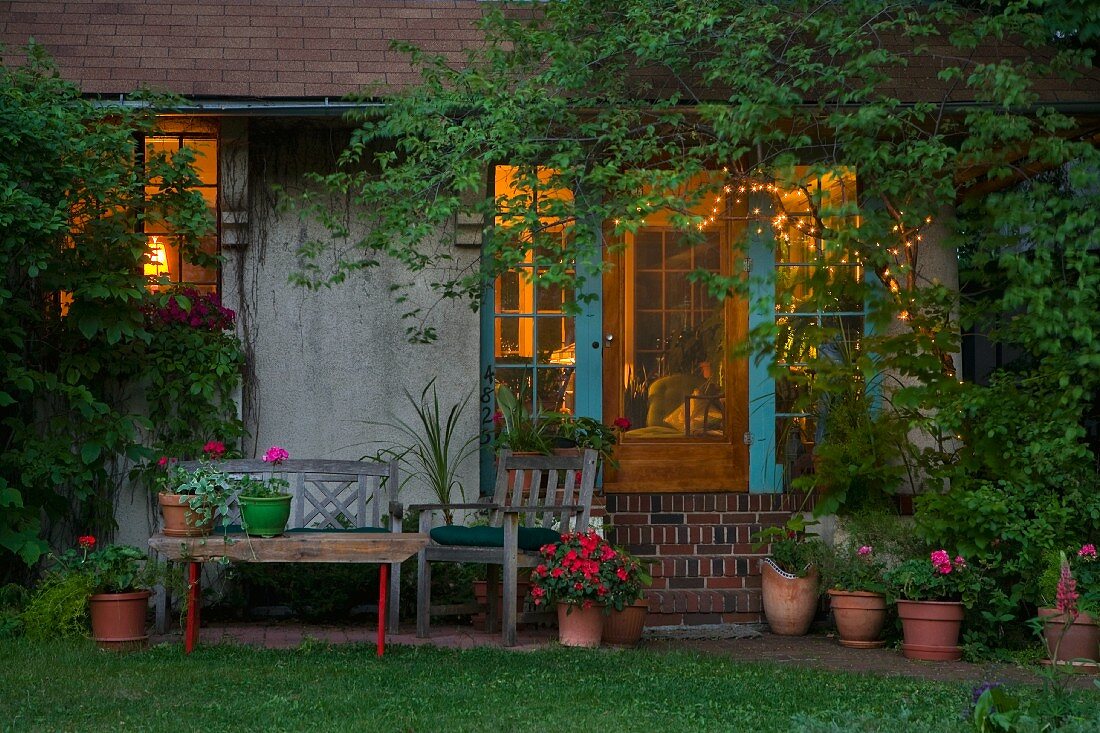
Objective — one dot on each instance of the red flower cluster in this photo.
(584, 569)
(205, 311)
(214, 449)
(85, 542)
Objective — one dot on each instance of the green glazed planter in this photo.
(264, 516)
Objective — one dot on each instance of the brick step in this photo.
(707, 566)
(708, 538)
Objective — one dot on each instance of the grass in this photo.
(74, 687)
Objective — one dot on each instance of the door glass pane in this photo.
(845, 291)
(534, 350)
(519, 381)
(513, 339)
(554, 334)
(647, 253)
(675, 334)
(551, 296)
(556, 389)
(508, 293)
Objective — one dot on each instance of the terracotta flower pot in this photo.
(579, 626)
(481, 596)
(931, 630)
(179, 519)
(859, 617)
(789, 602)
(1077, 642)
(118, 620)
(624, 628)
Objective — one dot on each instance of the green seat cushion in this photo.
(236, 529)
(530, 538)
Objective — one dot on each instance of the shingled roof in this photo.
(292, 49)
(318, 49)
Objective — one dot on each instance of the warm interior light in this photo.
(158, 262)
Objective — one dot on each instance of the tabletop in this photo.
(336, 546)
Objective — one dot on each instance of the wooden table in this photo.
(381, 548)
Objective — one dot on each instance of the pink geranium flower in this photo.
(1088, 550)
(864, 551)
(276, 454)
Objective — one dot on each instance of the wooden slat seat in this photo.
(545, 492)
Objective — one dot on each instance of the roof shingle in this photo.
(317, 49)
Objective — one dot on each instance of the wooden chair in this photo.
(536, 499)
(352, 496)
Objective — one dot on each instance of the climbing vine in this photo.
(91, 381)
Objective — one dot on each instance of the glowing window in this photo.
(167, 262)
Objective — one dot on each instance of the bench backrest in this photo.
(541, 481)
(327, 494)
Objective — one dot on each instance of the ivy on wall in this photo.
(91, 381)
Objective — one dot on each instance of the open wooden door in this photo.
(667, 365)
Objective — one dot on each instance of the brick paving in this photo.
(816, 651)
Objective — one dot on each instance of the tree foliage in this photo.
(81, 362)
(610, 111)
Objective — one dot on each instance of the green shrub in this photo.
(58, 608)
(13, 599)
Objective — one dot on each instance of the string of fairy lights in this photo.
(898, 275)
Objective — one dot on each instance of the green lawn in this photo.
(73, 687)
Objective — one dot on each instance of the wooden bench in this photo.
(545, 492)
(333, 501)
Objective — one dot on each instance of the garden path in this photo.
(816, 651)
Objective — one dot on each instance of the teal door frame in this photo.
(765, 473)
(587, 367)
(588, 331)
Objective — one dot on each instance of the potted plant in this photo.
(191, 499)
(434, 450)
(1071, 592)
(520, 429)
(119, 578)
(578, 432)
(857, 593)
(264, 502)
(790, 576)
(625, 602)
(932, 595)
(578, 574)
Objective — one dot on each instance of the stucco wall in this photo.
(321, 364)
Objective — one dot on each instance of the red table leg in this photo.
(194, 601)
(383, 582)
